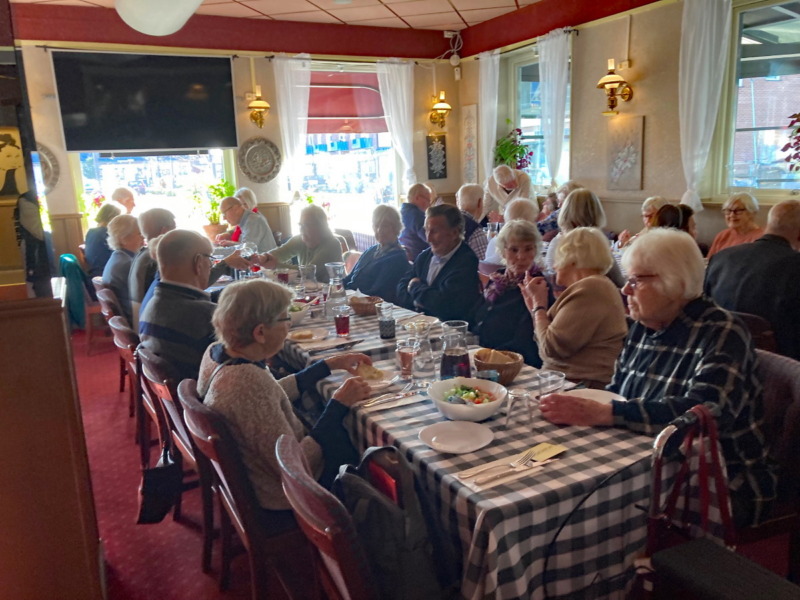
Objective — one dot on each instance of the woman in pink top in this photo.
(740, 212)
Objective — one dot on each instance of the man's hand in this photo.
(235, 261)
(562, 409)
(223, 237)
(495, 217)
(265, 260)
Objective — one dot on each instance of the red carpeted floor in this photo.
(143, 561)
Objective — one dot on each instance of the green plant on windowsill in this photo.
(793, 146)
(510, 150)
(209, 202)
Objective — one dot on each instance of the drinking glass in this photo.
(308, 277)
(283, 276)
(386, 323)
(405, 353)
(341, 319)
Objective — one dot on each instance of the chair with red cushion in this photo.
(239, 505)
(110, 307)
(760, 330)
(326, 523)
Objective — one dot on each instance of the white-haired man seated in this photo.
(505, 185)
(470, 202)
(683, 350)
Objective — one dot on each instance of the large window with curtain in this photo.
(350, 166)
(766, 89)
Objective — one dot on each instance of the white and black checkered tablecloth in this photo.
(502, 534)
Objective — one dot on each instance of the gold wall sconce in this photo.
(616, 88)
(259, 108)
(440, 110)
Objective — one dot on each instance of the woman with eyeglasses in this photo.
(740, 213)
(251, 322)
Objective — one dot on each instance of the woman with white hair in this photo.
(380, 268)
(503, 320)
(740, 213)
(505, 185)
(125, 239)
(582, 333)
(251, 322)
(650, 208)
(521, 208)
(316, 245)
(683, 350)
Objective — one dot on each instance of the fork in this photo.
(537, 466)
(517, 462)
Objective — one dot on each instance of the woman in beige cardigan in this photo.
(582, 333)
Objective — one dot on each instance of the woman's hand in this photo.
(623, 238)
(562, 409)
(495, 217)
(265, 260)
(534, 291)
(349, 361)
(352, 391)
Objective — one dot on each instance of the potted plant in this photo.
(209, 203)
(511, 151)
(793, 146)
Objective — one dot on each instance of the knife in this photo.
(388, 398)
(529, 466)
(343, 346)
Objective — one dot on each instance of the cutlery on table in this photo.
(531, 465)
(517, 462)
(343, 346)
(387, 398)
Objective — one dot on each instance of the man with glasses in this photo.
(176, 323)
(254, 226)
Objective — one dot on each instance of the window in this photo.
(767, 73)
(528, 117)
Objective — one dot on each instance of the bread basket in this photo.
(364, 306)
(507, 370)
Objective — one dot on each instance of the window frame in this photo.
(721, 151)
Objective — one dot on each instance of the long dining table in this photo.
(571, 529)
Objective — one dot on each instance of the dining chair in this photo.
(239, 507)
(160, 384)
(760, 329)
(145, 411)
(110, 307)
(82, 308)
(340, 561)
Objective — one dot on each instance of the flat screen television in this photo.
(135, 102)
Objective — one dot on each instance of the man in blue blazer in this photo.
(444, 279)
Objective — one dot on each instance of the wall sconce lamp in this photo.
(258, 108)
(615, 87)
(440, 110)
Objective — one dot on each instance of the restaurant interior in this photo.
(69, 534)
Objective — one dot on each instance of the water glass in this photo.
(308, 276)
(405, 353)
(341, 319)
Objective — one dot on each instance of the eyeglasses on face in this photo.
(733, 211)
(633, 281)
(283, 319)
(208, 256)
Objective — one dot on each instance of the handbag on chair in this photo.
(159, 489)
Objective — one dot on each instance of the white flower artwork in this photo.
(625, 144)
(437, 156)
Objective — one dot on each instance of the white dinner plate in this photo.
(456, 437)
(602, 396)
(421, 318)
(318, 334)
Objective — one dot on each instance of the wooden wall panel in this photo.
(67, 233)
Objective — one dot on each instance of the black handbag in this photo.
(159, 489)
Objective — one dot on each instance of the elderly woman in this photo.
(380, 268)
(683, 350)
(521, 208)
(583, 331)
(650, 208)
(96, 242)
(740, 213)
(582, 208)
(503, 321)
(316, 245)
(251, 323)
(125, 239)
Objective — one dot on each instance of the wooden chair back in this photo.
(109, 305)
(126, 341)
(327, 525)
(98, 284)
(760, 330)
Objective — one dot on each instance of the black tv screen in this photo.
(144, 102)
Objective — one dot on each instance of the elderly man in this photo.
(502, 187)
(762, 277)
(124, 197)
(444, 279)
(152, 223)
(254, 226)
(412, 213)
(176, 323)
(470, 201)
(683, 350)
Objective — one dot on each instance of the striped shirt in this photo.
(703, 356)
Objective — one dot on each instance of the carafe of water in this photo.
(337, 296)
(455, 359)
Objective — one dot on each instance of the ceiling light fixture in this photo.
(156, 17)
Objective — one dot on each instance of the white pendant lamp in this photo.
(156, 17)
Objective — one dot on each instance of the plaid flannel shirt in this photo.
(703, 356)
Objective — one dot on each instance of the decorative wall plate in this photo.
(50, 168)
(259, 159)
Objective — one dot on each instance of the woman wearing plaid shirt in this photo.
(683, 350)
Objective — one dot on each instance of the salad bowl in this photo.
(439, 391)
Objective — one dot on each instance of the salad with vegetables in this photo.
(464, 394)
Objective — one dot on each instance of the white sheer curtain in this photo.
(488, 78)
(554, 74)
(704, 51)
(396, 84)
(292, 83)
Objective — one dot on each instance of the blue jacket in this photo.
(378, 276)
(413, 234)
(454, 294)
(97, 250)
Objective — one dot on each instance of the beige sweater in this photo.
(257, 409)
(586, 330)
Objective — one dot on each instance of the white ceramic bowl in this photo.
(467, 412)
(299, 315)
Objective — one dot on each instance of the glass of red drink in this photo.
(283, 276)
(406, 351)
(341, 319)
